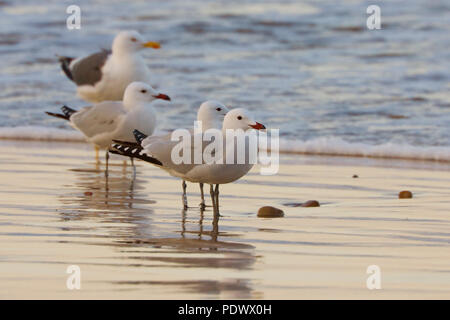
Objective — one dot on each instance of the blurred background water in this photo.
(310, 68)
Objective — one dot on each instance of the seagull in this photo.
(159, 153)
(104, 76)
(108, 120)
(210, 114)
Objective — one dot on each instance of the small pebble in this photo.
(88, 193)
(405, 194)
(270, 212)
(355, 176)
(311, 203)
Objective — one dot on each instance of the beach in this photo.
(362, 114)
(132, 240)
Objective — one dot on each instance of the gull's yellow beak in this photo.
(151, 44)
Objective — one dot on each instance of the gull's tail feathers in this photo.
(65, 66)
(133, 152)
(139, 136)
(68, 112)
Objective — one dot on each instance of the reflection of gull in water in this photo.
(204, 241)
(231, 288)
(93, 192)
(116, 215)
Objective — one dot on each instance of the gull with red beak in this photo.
(105, 75)
(159, 153)
(115, 120)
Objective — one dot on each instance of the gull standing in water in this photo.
(104, 76)
(115, 120)
(159, 153)
(210, 114)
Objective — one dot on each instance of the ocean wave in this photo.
(331, 146)
(338, 147)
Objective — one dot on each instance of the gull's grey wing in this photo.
(88, 71)
(161, 148)
(103, 117)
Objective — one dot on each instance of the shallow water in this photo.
(131, 238)
(335, 87)
(310, 68)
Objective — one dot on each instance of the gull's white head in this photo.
(139, 92)
(131, 42)
(211, 113)
(240, 119)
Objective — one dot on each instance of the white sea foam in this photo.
(318, 146)
(388, 150)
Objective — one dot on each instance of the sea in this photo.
(312, 69)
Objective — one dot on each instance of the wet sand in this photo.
(132, 239)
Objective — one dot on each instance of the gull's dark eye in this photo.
(144, 91)
(133, 39)
(219, 109)
(239, 118)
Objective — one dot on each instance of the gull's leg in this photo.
(183, 223)
(106, 190)
(215, 229)
(130, 205)
(134, 168)
(211, 192)
(107, 162)
(106, 177)
(185, 203)
(131, 188)
(200, 223)
(202, 195)
(97, 158)
(217, 197)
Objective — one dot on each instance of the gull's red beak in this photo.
(162, 96)
(258, 126)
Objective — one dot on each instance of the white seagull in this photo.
(104, 76)
(115, 120)
(159, 153)
(210, 114)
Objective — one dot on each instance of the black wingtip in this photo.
(68, 112)
(128, 144)
(139, 136)
(133, 152)
(65, 66)
(57, 115)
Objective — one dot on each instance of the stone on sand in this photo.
(405, 194)
(311, 203)
(270, 212)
